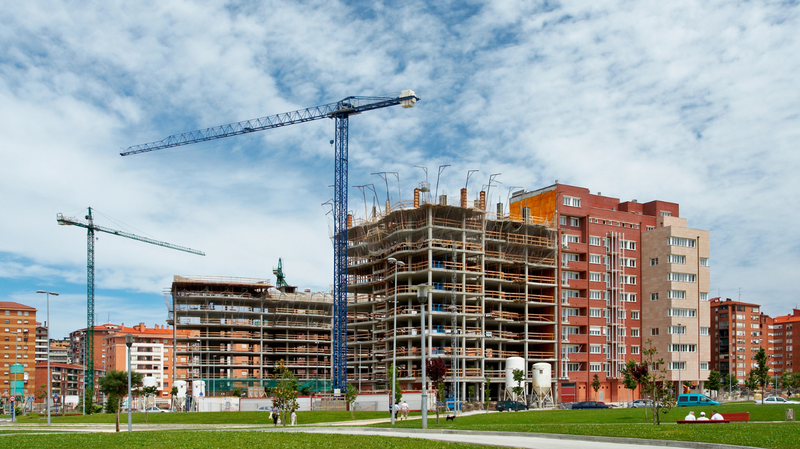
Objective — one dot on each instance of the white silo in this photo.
(198, 388)
(181, 386)
(542, 377)
(512, 364)
(149, 382)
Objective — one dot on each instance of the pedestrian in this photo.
(690, 417)
(404, 409)
(716, 416)
(396, 410)
(276, 413)
(702, 417)
(294, 418)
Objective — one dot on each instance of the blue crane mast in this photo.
(340, 112)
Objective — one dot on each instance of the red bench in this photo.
(744, 416)
(705, 421)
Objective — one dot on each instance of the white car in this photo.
(777, 400)
(156, 410)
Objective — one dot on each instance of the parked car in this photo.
(778, 400)
(157, 410)
(510, 405)
(641, 403)
(695, 400)
(589, 404)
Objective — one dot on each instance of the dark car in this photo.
(589, 404)
(510, 405)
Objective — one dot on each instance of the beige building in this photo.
(675, 308)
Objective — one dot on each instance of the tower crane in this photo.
(91, 228)
(340, 112)
(280, 278)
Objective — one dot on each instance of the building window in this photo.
(596, 313)
(682, 348)
(595, 330)
(653, 296)
(628, 297)
(563, 220)
(574, 222)
(595, 258)
(595, 241)
(634, 350)
(684, 313)
(650, 228)
(677, 366)
(677, 294)
(595, 367)
(666, 213)
(676, 258)
(703, 331)
(703, 296)
(595, 294)
(654, 331)
(627, 244)
(596, 277)
(680, 241)
(634, 332)
(625, 279)
(675, 330)
(704, 366)
(572, 201)
(704, 262)
(595, 349)
(654, 262)
(682, 277)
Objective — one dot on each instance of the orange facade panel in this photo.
(542, 205)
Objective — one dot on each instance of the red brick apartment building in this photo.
(783, 341)
(628, 272)
(18, 340)
(737, 336)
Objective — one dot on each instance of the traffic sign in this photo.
(13, 399)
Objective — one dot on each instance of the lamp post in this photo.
(397, 264)
(49, 373)
(129, 343)
(680, 384)
(14, 390)
(200, 350)
(422, 298)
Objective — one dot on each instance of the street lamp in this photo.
(200, 350)
(422, 298)
(396, 264)
(129, 343)
(49, 373)
(16, 369)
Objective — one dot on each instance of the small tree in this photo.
(286, 391)
(173, 393)
(762, 371)
(237, 392)
(519, 376)
(471, 392)
(595, 384)
(115, 386)
(751, 382)
(148, 392)
(714, 381)
(487, 394)
(789, 381)
(436, 370)
(350, 396)
(398, 395)
(653, 381)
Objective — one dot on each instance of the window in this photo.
(703, 331)
(621, 349)
(595, 367)
(628, 297)
(595, 258)
(682, 277)
(666, 213)
(675, 258)
(634, 350)
(573, 366)
(654, 331)
(566, 258)
(653, 296)
(675, 330)
(595, 277)
(596, 313)
(627, 244)
(568, 238)
(572, 201)
(677, 294)
(595, 294)
(682, 348)
(595, 330)
(563, 220)
(574, 222)
(625, 279)
(686, 313)
(595, 241)
(680, 241)
(703, 296)
(704, 366)
(679, 366)
(634, 314)
(634, 332)
(704, 262)
(595, 349)
(654, 262)
(628, 262)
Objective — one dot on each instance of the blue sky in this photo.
(692, 102)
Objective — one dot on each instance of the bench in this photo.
(744, 416)
(705, 421)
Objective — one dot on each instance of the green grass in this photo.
(204, 418)
(216, 439)
(631, 423)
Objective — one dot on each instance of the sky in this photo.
(696, 103)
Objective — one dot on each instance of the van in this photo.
(695, 400)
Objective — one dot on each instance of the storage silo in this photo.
(542, 378)
(512, 364)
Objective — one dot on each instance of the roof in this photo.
(15, 306)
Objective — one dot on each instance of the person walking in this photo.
(396, 410)
(404, 409)
(276, 413)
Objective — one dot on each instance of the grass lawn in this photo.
(211, 439)
(631, 423)
(203, 418)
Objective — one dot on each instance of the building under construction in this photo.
(492, 295)
(239, 330)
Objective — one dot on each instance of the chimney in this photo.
(349, 220)
(482, 201)
(416, 198)
(387, 208)
(464, 198)
(500, 209)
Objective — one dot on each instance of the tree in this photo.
(398, 395)
(729, 382)
(350, 396)
(790, 381)
(519, 376)
(487, 394)
(628, 380)
(714, 381)
(285, 393)
(147, 392)
(653, 381)
(762, 371)
(471, 393)
(115, 386)
(751, 382)
(173, 393)
(436, 370)
(237, 392)
(595, 384)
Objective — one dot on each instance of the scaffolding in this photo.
(493, 293)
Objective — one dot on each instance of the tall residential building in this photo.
(736, 336)
(151, 353)
(609, 292)
(77, 350)
(492, 296)
(237, 331)
(18, 335)
(41, 342)
(784, 341)
(67, 381)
